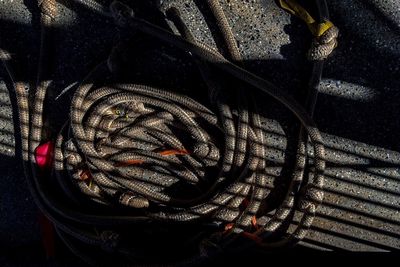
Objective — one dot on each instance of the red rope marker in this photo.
(48, 235)
(44, 155)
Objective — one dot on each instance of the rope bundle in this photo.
(168, 158)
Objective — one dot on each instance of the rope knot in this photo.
(48, 8)
(322, 46)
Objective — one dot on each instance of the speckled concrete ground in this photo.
(358, 108)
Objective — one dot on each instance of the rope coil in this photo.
(140, 147)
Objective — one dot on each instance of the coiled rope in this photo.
(139, 147)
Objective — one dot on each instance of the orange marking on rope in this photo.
(85, 175)
(129, 162)
(163, 153)
(254, 222)
(173, 152)
(228, 227)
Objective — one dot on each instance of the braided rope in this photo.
(116, 129)
(323, 46)
(48, 8)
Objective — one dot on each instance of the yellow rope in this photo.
(294, 8)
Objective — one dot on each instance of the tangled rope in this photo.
(164, 157)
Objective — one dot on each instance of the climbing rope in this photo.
(325, 33)
(133, 154)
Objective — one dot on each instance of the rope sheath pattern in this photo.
(165, 157)
(48, 8)
(323, 46)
